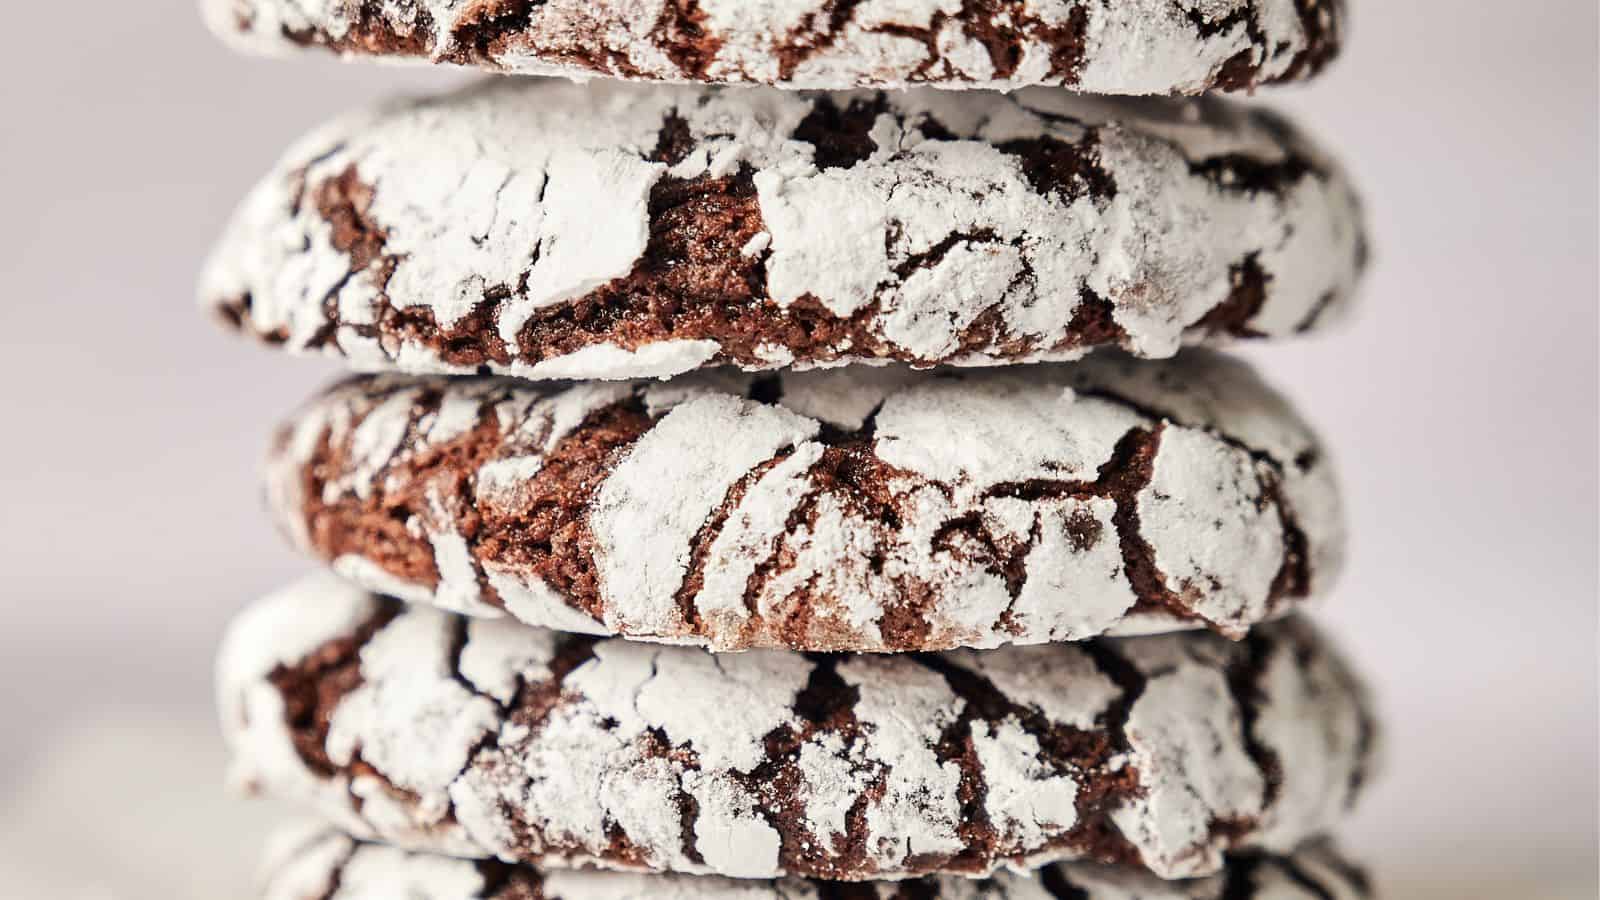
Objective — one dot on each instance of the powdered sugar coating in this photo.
(549, 230)
(671, 481)
(1097, 46)
(839, 510)
(317, 864)
(633, 756)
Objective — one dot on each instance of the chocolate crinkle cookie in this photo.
(1096, 46)
(482, 739)
(314, 863)
(854, 509)
(549, 230)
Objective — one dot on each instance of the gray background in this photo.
(1462, 405)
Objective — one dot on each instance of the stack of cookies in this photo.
(786, 470)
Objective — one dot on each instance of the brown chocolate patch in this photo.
(1249, 175)
(1247, 295)
(234, 312)
(371, 32)
(1094, 322)
(376, 529)
(544, 532)
(1321, 20)
(1243, 71)
(700, 544)
(682, 36)
(486, 27)
(816, 31)
(502, 881)
(313, 687)
(1004, 28)
(675, 141)
(840, 138)
(1067, 170)
(548, 533)
(1129, 471)
(345, 203)
(1245, 683)
(1240, 881)
(1090, 757)
(1293, 578)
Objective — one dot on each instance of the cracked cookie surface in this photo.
(314, 863)
(844, 510)
(476, 738)
(549, 230)
(1094, 46)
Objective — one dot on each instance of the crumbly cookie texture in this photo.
(314, 863)
(1095, 46)
(550, 230)
(853, 509)
(478, 738)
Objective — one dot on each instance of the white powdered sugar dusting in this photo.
(732, 838)
(409, 718)
(497, 656)
(303, 861)
(920, 812)
(1061, 682)
(1209, 527)
(1017, 427)
(833, 773)
(747, 538)
(660, 360)
(665, 489)
(756, 694)
(529, 599)
(371, 875)
(1023, 798)
(1073, 558)
(1346, 735)
(1187, 743)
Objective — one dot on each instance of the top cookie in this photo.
(1095, 46)
(548, 230)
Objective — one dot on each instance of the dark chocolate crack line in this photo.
(315, 863)
(549, 230)
(485, 739)
(853, 509)
(1095, 46)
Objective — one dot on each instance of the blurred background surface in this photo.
(1462, 406)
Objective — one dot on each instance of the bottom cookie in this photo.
(320, 864)
(487, 739)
